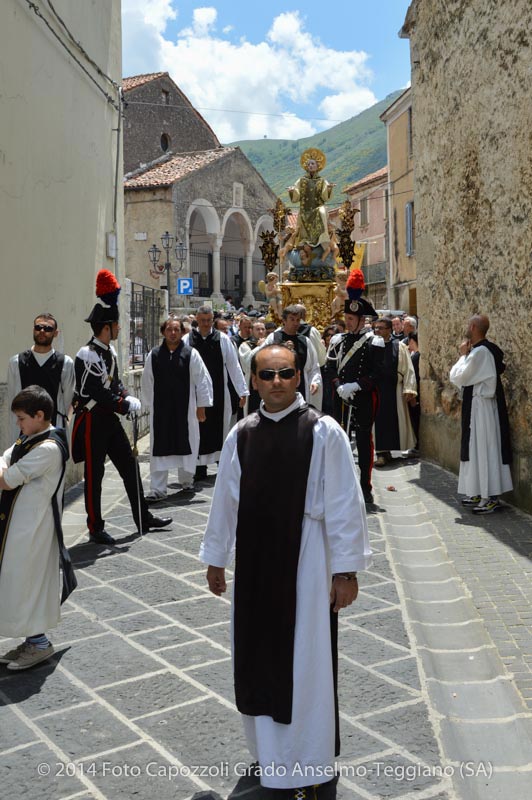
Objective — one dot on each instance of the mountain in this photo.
(354, 148)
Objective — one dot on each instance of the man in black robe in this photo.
(393, 429)
(221, 360)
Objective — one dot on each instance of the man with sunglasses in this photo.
(43, 366)
(297, 551)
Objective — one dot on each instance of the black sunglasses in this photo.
(285, 374)
(47, 328)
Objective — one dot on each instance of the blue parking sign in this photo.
(185, 286)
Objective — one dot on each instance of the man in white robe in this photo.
(485, 455)
(44, 366)
(175, 413)
(221, 360)
(291, 336)
(333, 544)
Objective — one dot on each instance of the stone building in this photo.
(60, 164)
(471, 64)
(182, 180)
(400, 195)
(370, 196)
(158, 118)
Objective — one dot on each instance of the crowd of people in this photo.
(297, 557)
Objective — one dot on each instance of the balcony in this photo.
(375, 273)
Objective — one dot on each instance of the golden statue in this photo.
(312, 192)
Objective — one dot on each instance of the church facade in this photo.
(180, 179)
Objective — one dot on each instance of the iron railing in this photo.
(147, 307)
(375, 273)
(232, 276)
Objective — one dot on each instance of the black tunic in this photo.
(171, 389)
(212, 430)
(48, 376)
(387, 421)
(268, 538)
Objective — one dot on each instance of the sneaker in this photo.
(471, 501)
(487, 508)
(153, 497)
(304, 793)
(30, 655)
(11, 655)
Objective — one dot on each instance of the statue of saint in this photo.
(311, 192)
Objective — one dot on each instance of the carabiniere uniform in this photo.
(97, 432)
(357, 358)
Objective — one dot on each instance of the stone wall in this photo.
(471, 64)
(147, 117)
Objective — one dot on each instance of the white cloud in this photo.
(291, 67)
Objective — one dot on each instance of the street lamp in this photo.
(154, 254)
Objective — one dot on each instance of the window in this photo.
(386, 195)
(238, 195)
(165, 97)
(165, 142)
(410, 229)
(364, 211)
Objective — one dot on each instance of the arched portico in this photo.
(236, 256)
(203, 230)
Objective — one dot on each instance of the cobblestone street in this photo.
(435, 660)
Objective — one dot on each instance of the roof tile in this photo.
(139, 80)
(175, 168)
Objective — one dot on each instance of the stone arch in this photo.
(202, 232)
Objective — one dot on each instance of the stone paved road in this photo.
(139, 700)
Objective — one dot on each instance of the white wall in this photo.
(57, 168)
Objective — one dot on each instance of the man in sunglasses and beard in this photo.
(43, 366)
(297, 551)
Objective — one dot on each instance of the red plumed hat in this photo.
(355, 284)
(107, 287)
(107, 291)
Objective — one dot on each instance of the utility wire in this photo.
(81, 48)
(190, 108)
(35, 8)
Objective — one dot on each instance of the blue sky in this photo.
(280, 69)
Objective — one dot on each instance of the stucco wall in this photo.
(57, 169)
(473, 183)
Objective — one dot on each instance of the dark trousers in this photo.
(105, 436)
(360, 423)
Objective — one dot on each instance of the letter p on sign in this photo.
(185, 286)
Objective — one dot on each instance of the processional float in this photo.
(307, 259)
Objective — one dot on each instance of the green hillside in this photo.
(354, 148)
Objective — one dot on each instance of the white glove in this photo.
(347, 390)
(134, 405)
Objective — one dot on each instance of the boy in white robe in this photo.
(29, 551)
